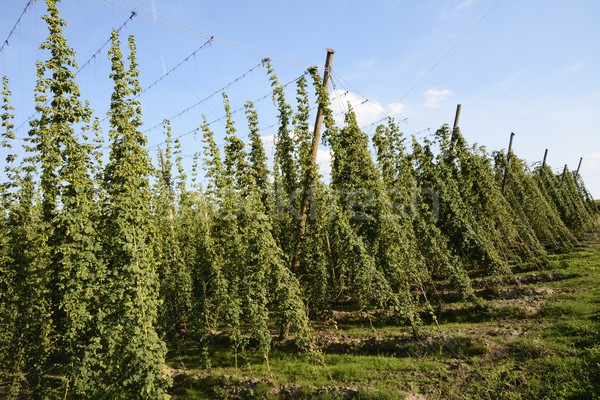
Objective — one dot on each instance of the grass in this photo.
(538, 341)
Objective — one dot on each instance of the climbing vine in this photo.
(108, 260)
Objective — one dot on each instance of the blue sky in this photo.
(530, 67)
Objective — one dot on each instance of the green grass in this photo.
(541, 341)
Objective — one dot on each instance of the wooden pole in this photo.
(564, 173)
(512, 135)
(310, 174)
(510, 142)
(457, 117)
(163, 167)
(578, 167)
(545, 155)
(163, 161)
(320, 111)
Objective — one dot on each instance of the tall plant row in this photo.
(109, 261)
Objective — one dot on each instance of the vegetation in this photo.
(537, 338)
(433, 268)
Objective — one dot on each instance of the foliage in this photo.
(529, 203)
(131, 355)
(107, 264)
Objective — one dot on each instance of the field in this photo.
(417, 267)
(536, 336)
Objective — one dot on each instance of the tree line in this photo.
(109, 262)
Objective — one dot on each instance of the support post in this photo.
(545, 155)
(564, 174)
(512, 135)
(578, 167)
(456, 117)
(163, 161)
(320, 111)
(163, 167)
(310, 175)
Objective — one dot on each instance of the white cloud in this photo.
(367, 111)
(464, 3)
(324, 161)
(435, 97)
(323, 156)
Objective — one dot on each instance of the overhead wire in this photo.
(342, 112)
(343, 108)
(439, 61)
(443, 57)
(379, 121)
(363, 102)
(180, 113)
(310, 109)
(376, 106)
(85, 64)
(159, 58)
(157, 17)
(212, 38)
(133, 14)
(422, 133)
(14, 28)
(255, 51)
(379, 108)
(193, 54)
(223, 116)
(270, 141)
